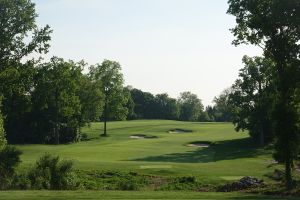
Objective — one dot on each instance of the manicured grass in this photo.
(63, 195)
(232, 156)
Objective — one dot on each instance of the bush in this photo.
(113, 180)
(51, 173)
(128, 184)
(182, 183)
(9, 159)
(21, 182)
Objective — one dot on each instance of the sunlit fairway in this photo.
(231, 156)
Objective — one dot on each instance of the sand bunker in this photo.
(199, 144)
(156, 166)
(142, 136)
(179, 131)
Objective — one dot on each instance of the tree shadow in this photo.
(225, 150)
(145, 126)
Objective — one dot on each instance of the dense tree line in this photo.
(221, 110)
(188, 107)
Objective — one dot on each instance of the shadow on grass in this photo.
(144, 126)
(225, 150)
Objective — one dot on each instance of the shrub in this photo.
(9, 159)
(128, 184)
(21, 182)
(182, 183)
(51, 173)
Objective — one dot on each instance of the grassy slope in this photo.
(63, 195)
(232, 157)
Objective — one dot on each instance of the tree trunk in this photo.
(288, 174)
(262, 120)
(262, 138)
(285, 117)
(56, 129)
(105, 117)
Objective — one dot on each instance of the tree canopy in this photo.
(251, 97)
(191, 106)
(19, 33)
(56, 105)
(112, 86)
(274, 26)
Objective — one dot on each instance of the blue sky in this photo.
(163, 45)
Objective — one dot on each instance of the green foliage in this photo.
(16, 83)
(144, 104)
(115, 96)
(221, 111)
(9, 160)
(182, 183)
(91, 99)
(19, 37)
(191, 107)
(252, 97)
(51, 173)
(57, 107)
(222, 107)
(204, 117)
(113, 180)
(165, 107)
(274, 25)
(108, 73)
(130, 103)
(18, 21)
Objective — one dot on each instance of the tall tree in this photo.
(19, 37)
(15, 85)
(57, 108)
(191, 106)
(130, 103)
(274, 25)
(112, 86)
(144, 104)
(222, 107)
(166, 107)
(91, 99)
(252, 96)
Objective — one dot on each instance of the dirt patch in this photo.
(142, 136)
(180, 131)
(201, 144)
